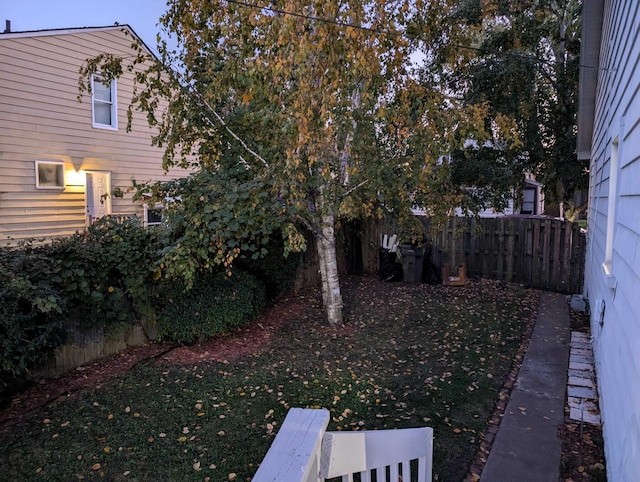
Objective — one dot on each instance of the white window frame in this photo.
(612, 201)
(156, 207)
(114, 104)
(49, 174)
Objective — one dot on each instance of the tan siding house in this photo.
(59, 156)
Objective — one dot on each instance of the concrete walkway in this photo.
(527, 447)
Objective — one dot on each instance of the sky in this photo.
(141, 15)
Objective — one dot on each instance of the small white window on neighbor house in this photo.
(49, 175)
(153, 215)
(104, 104)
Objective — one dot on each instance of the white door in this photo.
(98, 196)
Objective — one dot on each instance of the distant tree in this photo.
(295, 113)
(520, 60)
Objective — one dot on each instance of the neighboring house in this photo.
(532, 202)
(61, 159)
(609, 136)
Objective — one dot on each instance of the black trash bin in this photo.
(412, 261)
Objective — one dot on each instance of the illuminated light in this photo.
(75, 178)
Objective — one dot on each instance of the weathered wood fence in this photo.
(539, 252)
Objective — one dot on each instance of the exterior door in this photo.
(98, 195)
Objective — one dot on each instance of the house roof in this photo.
(75, 30)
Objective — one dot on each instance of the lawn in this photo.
(408, 355)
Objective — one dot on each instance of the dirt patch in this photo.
(582, 453)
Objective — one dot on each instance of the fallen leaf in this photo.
(95, 467)
(196, 466)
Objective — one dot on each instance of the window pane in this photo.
(102, 113)
(101, 91)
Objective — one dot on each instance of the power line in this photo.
(398, 34)
(319, 19)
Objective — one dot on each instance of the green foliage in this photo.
(216, 304)
(316, 113)
(103, 275)
(522, 66)
(276, 269)
(109, 274)
(216, 216)
(31, 313)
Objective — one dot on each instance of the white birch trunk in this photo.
(326, 245)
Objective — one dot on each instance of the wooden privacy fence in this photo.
(539, 252)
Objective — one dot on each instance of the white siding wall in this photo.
(41, 119)
(617, 339)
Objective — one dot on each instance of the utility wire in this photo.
(398, 34)
(319, 19)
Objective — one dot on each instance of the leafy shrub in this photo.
(101, 275)
(215, 304)
(277, 272)
(31, 313)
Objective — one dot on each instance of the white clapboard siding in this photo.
(41, 119)
(613, 293)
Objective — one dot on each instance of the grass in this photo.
(409, 355)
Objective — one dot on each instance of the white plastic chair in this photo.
(380, 455)
(304, 452)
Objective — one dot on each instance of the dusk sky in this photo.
(141, 15)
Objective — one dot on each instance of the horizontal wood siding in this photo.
(616, 327)
(41, 119)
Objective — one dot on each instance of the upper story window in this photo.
(105, 108)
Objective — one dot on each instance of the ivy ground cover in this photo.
(407, 356)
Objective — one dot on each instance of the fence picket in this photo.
(538, 252)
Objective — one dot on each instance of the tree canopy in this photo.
(522, 64)
(295, 114)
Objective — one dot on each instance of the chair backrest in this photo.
(403, 455)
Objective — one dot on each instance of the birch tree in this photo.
(310, 102)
